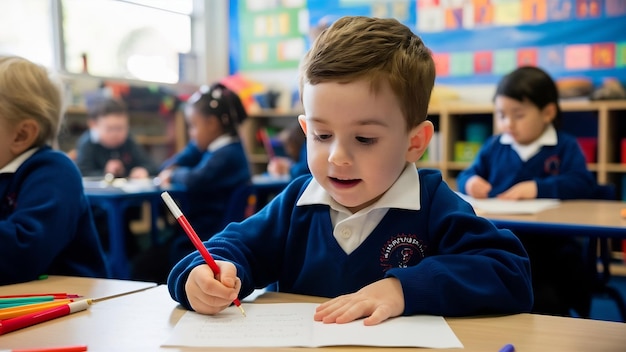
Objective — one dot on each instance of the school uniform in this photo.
(46, 226)
(449, 261)
(92, 156)
(556, 163)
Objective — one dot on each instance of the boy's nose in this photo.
(338, 154)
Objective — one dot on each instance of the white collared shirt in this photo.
(221, 141)
(15, 164)
(350, 230)
(525, 152)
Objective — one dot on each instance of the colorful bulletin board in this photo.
(473, 41)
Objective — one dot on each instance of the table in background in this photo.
(267, 187)
(598, 220)
(144, 320)
(115, 201)
(84, 286)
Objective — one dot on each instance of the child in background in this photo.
(532, 159)
(368, 228)
(46, 225)
(107, 147)
(210, 168)
(294, 164)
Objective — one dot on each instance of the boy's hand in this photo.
(279, 166)
(115, 167)
(477, 187)
(377, 302)
(210, 295)
(522, 190)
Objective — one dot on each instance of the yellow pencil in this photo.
(12, 312)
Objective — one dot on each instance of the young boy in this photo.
(366, 228)
(107, 148)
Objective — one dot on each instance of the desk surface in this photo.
(142, 321)
(86, 287)
(576, 216)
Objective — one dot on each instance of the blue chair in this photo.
(242, 203)
(602, 255)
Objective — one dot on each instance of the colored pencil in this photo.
(31, 319)
(56, 295)
(13, 312)
(193, 236)
(80, 348)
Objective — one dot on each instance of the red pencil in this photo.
(193, 236)
(57, 295)
(30, 319)
(79, 348)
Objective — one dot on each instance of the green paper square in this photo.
(504, 61)
(620, 53)
(462, 64)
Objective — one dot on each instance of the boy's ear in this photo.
(419, 138)
(302, 122)
(26, 133)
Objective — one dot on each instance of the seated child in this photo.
(210, 168)
(531, 158)
(368, 230)
(294, 164)
(107, 147)
(46, 225)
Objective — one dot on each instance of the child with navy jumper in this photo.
(46, 226)
(532, 159)
(367, 229)
(210, 168)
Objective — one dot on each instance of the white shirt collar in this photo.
(525, 152)
(221, 141)
(403, 194)
(94, 136)
(12, 166)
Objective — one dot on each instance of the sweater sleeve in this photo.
(476, 268)
(85, 160)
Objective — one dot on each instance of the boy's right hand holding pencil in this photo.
(210, 294)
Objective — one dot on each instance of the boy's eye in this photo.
(322, 137)
(367, 141)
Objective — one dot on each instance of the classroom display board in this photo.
(473, 41)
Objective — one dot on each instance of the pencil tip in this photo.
(242, 311)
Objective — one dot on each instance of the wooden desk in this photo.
(86, 287)
(599, 218)
(144, 320)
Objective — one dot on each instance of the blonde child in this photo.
(46, 225)
(367, 230)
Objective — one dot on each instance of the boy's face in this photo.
(112, 129)
(357, 141)
(522, 120)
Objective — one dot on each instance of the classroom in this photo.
(292, 174)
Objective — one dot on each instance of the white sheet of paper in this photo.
(292, 325)
(501, 206)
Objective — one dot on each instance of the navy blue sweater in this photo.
(46, 226)
(560, 171)
(91, 157)
(449, 261)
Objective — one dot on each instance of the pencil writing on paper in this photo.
(193, 236)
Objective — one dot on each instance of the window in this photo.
(26, 30)
(133, 39)
(128, 40)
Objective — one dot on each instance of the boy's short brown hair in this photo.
(378, 50)
(106, 106)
